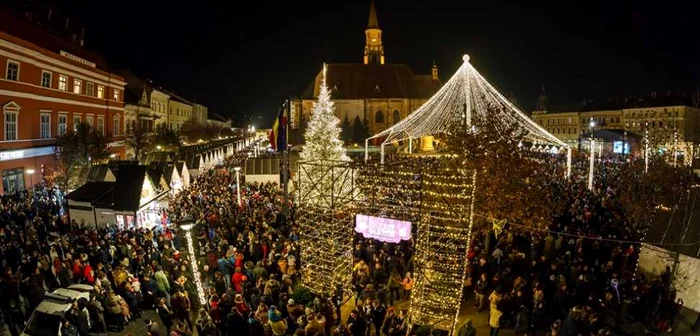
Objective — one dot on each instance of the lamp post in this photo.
(591, 156)
(31, 178)
(238, 184)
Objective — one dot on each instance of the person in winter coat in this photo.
(182, 307)
(356, 324)
(495, 315)
(276, 322)
(237, 280)
(522, 320)
(165, 314)
(162, 284)
(68, 329)
(254, 326)
(466, 329)
(97, 317)
(235, 324)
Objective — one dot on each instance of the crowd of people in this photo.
(574, 277)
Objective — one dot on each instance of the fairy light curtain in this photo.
(441, 245)
(466, 95)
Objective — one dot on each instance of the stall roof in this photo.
(126, 194)
(91, 191)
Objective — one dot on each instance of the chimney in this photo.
(67, 20)
(82, 36)
(50, 10)
(435, 72)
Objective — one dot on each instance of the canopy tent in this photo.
(466, 95)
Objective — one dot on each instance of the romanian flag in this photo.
(278, 135)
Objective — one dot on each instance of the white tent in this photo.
(466, 95)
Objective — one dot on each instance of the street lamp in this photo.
(238, 184)
(158, 147)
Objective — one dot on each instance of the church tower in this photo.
(374, 51)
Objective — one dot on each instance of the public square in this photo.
(299, 169)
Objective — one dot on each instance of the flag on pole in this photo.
(279, 133)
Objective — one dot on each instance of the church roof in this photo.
(373, 22)
(366, 81)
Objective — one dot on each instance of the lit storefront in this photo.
(133, 201)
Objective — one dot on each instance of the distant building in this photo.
(675, 116)
(200, 113)
(49, 84)
(380, 92)
(145, 105)
(219, 121)
(179, 111)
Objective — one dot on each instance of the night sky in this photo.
(245, 57)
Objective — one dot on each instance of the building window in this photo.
(100, 91)
(12, 70)
(90, 89)
(10, 125)
(13, 180)
(76, 121)
(46, 79)
(115, 124)
(77, 86)
(116, 94)
(379, 117)
(45, 126)
(397, 116)
(62, 124)
(90, 120)
(101, 124)
(63, 83)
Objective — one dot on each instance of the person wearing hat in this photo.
(241, 305)
(277, 323)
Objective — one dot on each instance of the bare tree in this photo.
(139, 140)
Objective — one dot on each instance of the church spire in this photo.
(373, 22)
(374, 51)
(542, 102)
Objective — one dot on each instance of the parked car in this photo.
(46, 318)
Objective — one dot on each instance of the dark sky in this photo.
(245, 57)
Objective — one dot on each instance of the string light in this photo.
(195, 268)
(439, 201)
(466, 94)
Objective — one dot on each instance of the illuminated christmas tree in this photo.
(324, 177)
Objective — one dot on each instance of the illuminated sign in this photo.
(77, 59)
(25, 153)
(383, 229)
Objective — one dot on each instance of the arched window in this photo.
(379, 117)
(397, 116)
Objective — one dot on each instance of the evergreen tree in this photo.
(324, 152)
(346, 130)
(359, 133)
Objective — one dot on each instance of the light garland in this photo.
(466, 96)
(195, 269)
(325, 237)
(440, 202)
